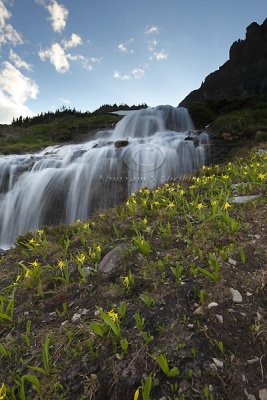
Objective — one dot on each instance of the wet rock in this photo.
(2, 252)
(112, 260)
(236, 295)
(121, 143)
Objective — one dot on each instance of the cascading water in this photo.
(64, 183)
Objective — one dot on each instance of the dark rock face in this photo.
(244, 74)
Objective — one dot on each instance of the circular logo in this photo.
(143, 157)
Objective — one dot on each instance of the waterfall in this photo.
(61, 184)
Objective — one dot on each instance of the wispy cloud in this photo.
(120, 76)
(152, 44)
(7, 33)
(19, 63)
(74, 41)
(64, 101)
(135, 73)
(161, 55)
(138, 73)
(124, 47)
(15, 90)
(58, 15)
(152, 30)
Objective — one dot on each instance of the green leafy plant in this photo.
(163, 363)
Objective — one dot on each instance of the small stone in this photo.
(219, 318)
(263, 394)
(212, 304)
(112, 260)
(85, 311)
(249, 396)
(218, 363)
(64, 322)
(249, 294)
(243, 314)
(257, 236)
(199, 311)
(253, 360)
(76, 317)
(190, 325)
(52, 314)
(244, 378)
(211, 388)
(259, 316)
(236, 296)
(243, 199)
(232, 261)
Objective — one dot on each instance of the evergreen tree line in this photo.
(49, 116)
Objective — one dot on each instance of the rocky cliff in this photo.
(244, 74)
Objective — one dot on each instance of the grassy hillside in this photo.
(181, 316)
(58, 130)
(239, 116)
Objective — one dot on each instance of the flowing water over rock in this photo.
(64, 183)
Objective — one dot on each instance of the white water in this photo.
(64, 183)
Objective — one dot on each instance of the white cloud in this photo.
(15, 90)
(119, 75)
(123, 47)
(57, 57)
(161, 55)
(7, 33)
(152, 29)
(74, 41)
(58, 15)
(4, 14)
(138, 73)
(60, 59)
(19, 63)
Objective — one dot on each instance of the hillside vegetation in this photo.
(242, 116)
(181, 316)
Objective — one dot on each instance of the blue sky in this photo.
(85, 53)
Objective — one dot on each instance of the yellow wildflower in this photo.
(78, 220)
(136, 394)
(2, 391)
(40, 231)
(214, 202)
(171, 205)
(145, 220)
(61, 264)
(113, 315)
(32, 241)
(126, 281)
(227, 205)
(225, 177)
(200, 205)
(27, 275)
(81, 258)
(261, 176)
(182, 192)
(35, 264)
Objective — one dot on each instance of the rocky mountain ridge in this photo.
(244, 74)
